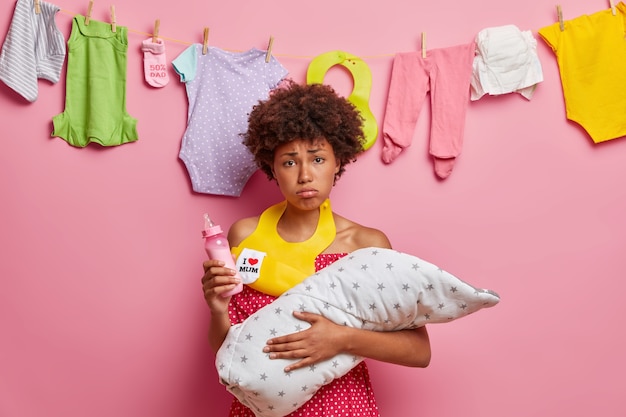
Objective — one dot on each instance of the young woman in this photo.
(302, 137)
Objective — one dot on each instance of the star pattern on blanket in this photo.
(381, 289)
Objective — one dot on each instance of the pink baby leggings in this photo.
(446, 74)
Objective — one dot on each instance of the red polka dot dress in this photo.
(348, 396)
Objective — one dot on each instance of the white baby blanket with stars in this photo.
(373, 288)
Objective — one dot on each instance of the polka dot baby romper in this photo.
(222, 87)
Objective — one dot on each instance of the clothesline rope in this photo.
(182, 42)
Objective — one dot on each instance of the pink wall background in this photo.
(101, 312)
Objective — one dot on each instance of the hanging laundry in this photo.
(506, 61)
(222, 87)
(445, 73)
(33, 49)
(154, 62)
(95, 98)
(591, 55)
(362, 80)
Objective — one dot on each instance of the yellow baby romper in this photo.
(591, 55)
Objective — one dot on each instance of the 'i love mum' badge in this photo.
(249, 265)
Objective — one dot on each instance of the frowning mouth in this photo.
(307, 192)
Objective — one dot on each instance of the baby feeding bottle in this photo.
(217, 247)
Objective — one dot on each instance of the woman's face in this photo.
(305, 172)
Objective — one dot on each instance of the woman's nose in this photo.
(305, 174)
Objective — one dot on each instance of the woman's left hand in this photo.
(319, 342)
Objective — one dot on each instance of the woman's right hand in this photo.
(216, 281)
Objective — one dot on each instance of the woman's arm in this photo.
(404, 347)
(325, 339)
(217, 279)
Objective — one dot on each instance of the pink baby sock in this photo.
(444, 166)
(154, 62)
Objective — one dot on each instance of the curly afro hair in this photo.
(306, 112)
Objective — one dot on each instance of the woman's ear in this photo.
(337, 168)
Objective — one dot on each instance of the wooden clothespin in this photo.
(559, 13)
(612, 7)
(38, 7)
(155, 33)
(113, 21)
(205, 41)
(88, 16)
(423, 44)
(268, 55)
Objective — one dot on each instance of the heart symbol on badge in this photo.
(253, 261)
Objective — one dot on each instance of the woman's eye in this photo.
(289, 163)
(319, 160)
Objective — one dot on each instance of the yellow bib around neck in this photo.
(283, 264)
